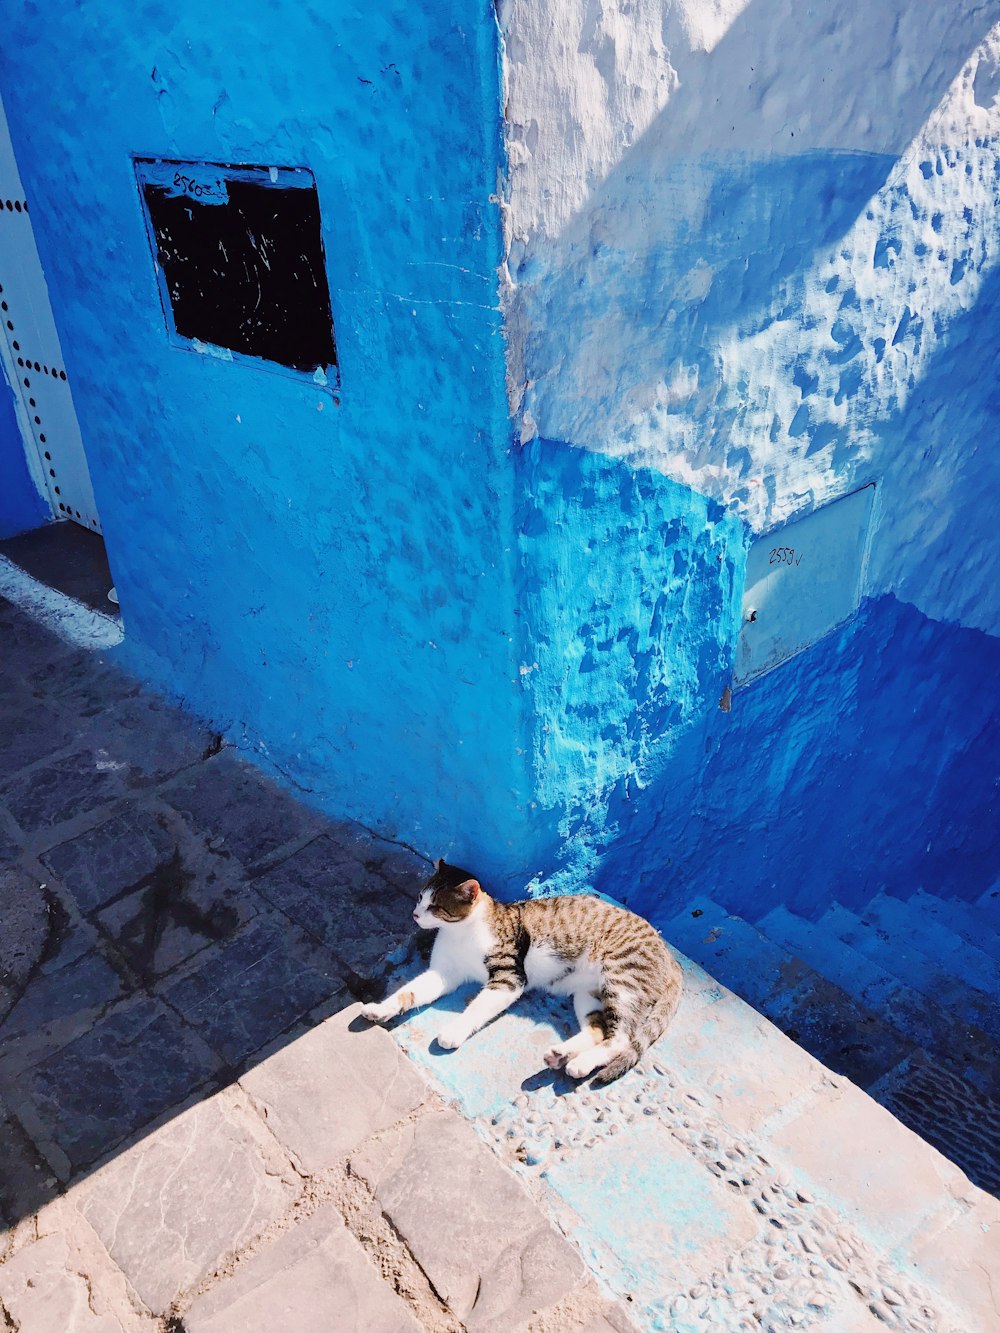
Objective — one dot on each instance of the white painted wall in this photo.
(754, 244)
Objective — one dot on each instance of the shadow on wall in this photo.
(870, 760)
(21, 506)
(694, 279)
(867, 763)
(739, 310)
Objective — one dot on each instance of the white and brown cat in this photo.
(624, 981)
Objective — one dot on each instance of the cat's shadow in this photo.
(556, 1079)
(453, 1003)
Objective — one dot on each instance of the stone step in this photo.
(915, 969)
(846, 1036)
(855, 972)
(965, 1050)
(939, 941)
(979, 925)
(947, 1111)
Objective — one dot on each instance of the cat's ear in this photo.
(467, 891)
(439, 862)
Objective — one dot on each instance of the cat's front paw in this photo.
(376, 1013)
(451, 1036)
(555, 1058)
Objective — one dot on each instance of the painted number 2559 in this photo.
(784, 555)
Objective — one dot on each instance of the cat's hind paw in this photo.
(579, 1067)
(451, 1037)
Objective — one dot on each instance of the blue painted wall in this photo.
(761, 258)
(628, 588)
(21, 506)
(868, 762)
(513, 656)
(327, 578)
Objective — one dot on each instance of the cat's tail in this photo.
(649, 1030)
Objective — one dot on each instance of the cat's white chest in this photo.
(460, 954)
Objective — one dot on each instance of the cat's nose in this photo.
(416, 916)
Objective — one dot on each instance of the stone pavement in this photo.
(199, 1135)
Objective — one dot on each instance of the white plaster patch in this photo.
(749, 257)
(69, 619)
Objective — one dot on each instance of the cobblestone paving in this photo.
(196, 1133)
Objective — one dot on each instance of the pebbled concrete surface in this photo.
(730, 1181)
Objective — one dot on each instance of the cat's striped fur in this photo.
(624, 981)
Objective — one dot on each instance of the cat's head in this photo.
(448, 897)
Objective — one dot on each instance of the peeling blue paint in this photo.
(629, 589)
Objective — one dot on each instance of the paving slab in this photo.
(60, 789)
(55, 1007)
(242, 994)
(179, 908)
(326, 1091)
(236, 806)
(24, 934)
(83, 684)
(131, 1066)
(678, 1224)
(26, 1179)
(100, 864)
(967, 1254)
(315, 1278)
(151, 737)
(45, 1288)
(886, 1180)
(32, 730)
(328, 889)
(173, 1206)
(27, 642)
(489, 1252)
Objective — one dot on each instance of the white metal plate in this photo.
(33, 358)
(802, 581)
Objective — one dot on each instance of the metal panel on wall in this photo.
(33, 358)
(802, 581)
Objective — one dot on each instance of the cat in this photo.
(624, 981)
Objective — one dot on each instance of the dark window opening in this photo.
(241, 262)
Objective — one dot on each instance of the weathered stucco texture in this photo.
(325, 576)
(629, 584)
(743, 238)
(752, 248)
